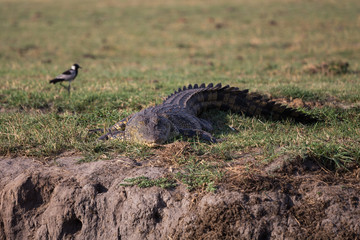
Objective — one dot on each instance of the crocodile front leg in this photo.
(199, 133)
(121, 125)
(113, 135)
(116, 131)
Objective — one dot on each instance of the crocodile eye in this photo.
(154, 120)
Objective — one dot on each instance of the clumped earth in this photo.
(63, 199)
(328, 102)
(328, 68)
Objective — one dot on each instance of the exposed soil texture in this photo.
(66, 200)
(329, 102)
(328, 68)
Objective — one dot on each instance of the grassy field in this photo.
(135, 53)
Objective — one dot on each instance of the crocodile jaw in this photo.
(150, 129)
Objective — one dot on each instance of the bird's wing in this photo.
(65, 74)
(68, 72)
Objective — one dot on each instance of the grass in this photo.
(145, 182)
(200, 175)
(133, 56)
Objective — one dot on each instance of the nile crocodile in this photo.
(178, 114)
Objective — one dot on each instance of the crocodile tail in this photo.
(200, 98)
(259, 105)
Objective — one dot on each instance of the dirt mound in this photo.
(328, 68)
(329, 102)
(67, 200)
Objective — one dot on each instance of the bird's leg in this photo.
(63, 85)
(69, 87)
(66, 87)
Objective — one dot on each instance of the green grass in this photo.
(134, 54)
(200, 175)
(145, 182)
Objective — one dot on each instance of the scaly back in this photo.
(197, 99)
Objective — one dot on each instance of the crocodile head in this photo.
(149, 128)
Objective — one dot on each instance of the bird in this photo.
(68, 76)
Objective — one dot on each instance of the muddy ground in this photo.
(62, 199)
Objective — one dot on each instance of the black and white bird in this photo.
(67, 76)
